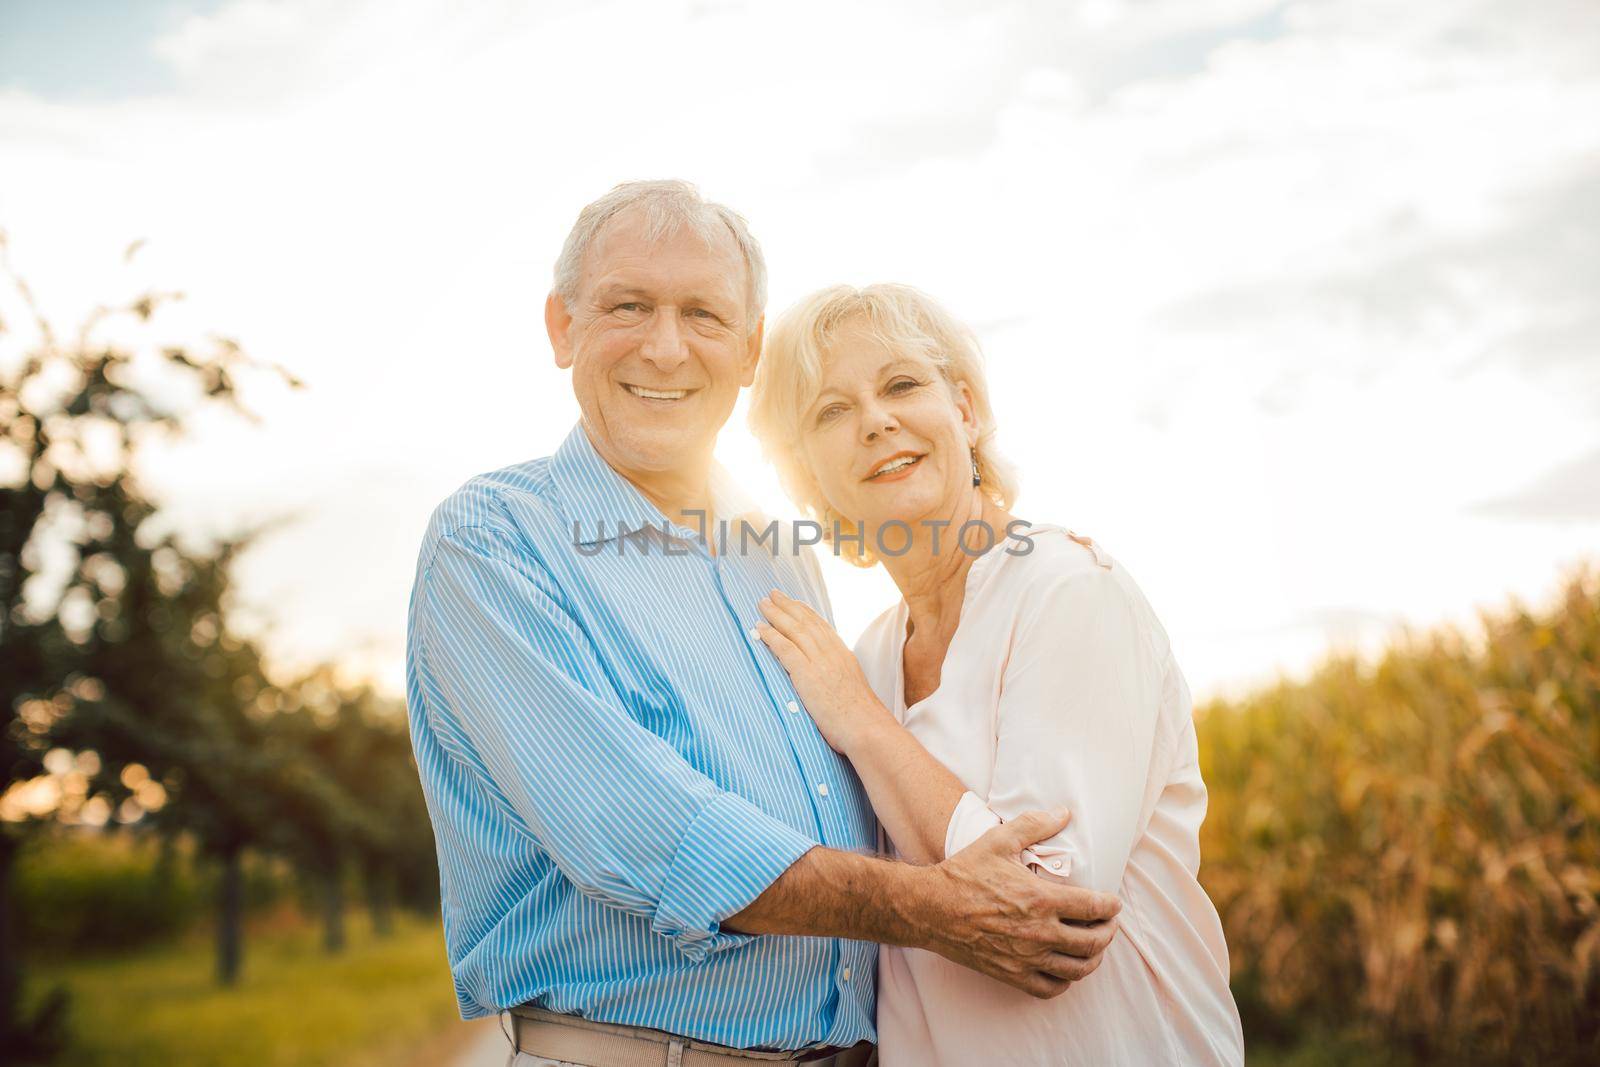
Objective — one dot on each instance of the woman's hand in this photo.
(823, 669)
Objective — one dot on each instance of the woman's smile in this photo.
(896, 467)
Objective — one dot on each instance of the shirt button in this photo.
(1056, 864)
(822, 789)
(755, 635)
(793, 706)
(846, 974)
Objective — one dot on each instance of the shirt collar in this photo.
(599, 501)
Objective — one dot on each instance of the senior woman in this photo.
(1022, 669)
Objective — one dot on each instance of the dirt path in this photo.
(484, 1045)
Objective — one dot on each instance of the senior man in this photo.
(634, 816)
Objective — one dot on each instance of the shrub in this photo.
(89, 891)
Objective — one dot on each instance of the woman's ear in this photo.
(969, 412)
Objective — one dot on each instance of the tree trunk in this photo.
(10, 969)
(35, 1038)
(333, 910)
(230, 915)
(166, 872)
(380, 899)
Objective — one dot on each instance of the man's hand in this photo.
(984, 910)
(980, 908)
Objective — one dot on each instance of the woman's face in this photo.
(887, 437)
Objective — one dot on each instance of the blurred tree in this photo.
(402, 860)
(357, 742)
(117, 660)
(318, 819)
(106, 625)
(399, 865)
(189, 705)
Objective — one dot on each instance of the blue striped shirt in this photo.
(613, 764)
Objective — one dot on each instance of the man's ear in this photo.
(558, 324)
(752, 355)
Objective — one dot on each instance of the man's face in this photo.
(659, 345)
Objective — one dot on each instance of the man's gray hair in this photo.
(668, 206)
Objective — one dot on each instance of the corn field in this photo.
(1411, 847)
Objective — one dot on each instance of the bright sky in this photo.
(1293, 307)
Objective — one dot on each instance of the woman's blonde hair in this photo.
(789, 377)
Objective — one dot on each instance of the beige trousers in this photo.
(538, 1034)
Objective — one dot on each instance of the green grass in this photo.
(294, 1006)
(385, 1002)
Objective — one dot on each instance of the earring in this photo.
(977, 479)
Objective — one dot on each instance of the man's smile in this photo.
(658, 395)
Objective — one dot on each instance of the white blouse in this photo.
(1059, 688)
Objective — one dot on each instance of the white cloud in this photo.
(1252, 277)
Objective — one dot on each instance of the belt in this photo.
(594, 1044)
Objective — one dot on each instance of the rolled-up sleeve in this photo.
(524, 700)
(1077, 723)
